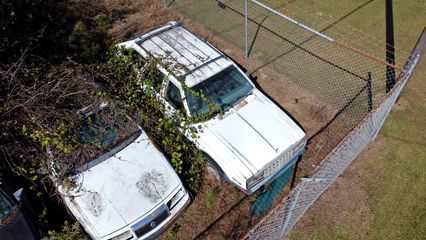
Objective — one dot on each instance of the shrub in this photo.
(127, 73)
(89, 45)
(68, 232)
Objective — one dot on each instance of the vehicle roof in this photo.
(196, 59)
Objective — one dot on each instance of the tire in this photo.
(212, 167)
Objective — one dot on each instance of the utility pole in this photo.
(390, 49)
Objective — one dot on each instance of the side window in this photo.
(173, 96)
(159, 78)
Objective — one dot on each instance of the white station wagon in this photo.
(130, 191)
(253, 141)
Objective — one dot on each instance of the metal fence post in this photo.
(390, 49)
(369, 92)
(246, 24)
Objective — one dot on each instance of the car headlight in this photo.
(175, 199)
(255, 179)
(123, 236)
(299, 146)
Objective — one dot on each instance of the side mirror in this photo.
(19, 194)
(250, 76)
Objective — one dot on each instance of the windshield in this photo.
(6, 206)
(225, 89)
(102, 130)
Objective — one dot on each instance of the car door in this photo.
(15, 218)
(173, 101)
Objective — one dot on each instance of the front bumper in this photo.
(274, 176)
(177, 210)
(175, 213)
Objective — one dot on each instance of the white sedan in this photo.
(253, 141)
(124, 186)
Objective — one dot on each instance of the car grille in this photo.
(277, 164)
(152, 221)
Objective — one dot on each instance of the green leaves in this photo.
(68, 232)
(134, 82)
(177, 162)
(24, 129)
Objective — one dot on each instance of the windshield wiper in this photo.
(236, 101)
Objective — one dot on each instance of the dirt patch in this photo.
(211, 205)
(401, 105)
(343, 212)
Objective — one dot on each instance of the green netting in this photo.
(265, 200)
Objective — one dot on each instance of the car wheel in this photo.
(213, 171)
(212, 167)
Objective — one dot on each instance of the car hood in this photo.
(255, 130)
(122, 188)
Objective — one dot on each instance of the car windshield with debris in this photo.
(224, 89)
(104, 129)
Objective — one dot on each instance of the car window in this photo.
(173, 96)
(6, 206)
(158, 80)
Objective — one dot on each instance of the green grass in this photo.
(211, 199)
(398, 190)
(399, 195)
(322, 233)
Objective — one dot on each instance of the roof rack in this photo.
(202, 65)
(178, 44)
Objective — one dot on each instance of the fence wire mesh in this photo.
(348, 86)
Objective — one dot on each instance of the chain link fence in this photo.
(341, 67)
(281, 220)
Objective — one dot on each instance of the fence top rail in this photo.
(293, 21)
